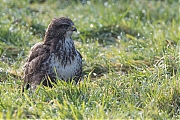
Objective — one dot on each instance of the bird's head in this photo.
(59, 28)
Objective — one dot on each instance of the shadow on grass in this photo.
(13, 41)
(11, 44)
(38, 29)
(172, 105)
(110, 34)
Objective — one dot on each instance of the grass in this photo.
(131, 60)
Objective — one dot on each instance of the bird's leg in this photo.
(34, 85)
(25, 83)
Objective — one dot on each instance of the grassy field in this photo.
(131, 59)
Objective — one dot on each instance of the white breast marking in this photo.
(65, 72)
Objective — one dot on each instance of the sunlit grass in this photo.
(131, 60)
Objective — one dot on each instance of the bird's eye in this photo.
(64, 26)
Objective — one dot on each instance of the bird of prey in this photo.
(55, 57)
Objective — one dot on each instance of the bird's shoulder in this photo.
(39, 53)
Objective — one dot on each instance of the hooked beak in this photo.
(73, 28)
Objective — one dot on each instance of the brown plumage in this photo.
(55, 57)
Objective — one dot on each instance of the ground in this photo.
(131, 59)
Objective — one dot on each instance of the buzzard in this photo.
(55, 57)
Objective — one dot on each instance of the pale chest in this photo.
(66, 70)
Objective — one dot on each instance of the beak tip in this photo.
(75, 29)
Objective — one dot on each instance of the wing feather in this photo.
(39, 53)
